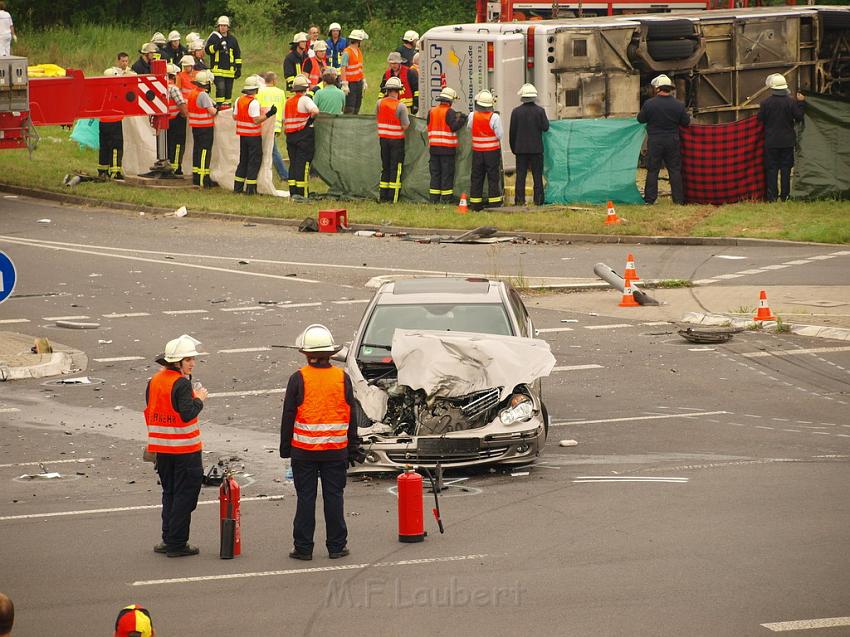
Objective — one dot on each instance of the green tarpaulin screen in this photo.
(348, 158)
(823, 158)
(592, 160)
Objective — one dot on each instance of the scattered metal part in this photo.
(709, 334)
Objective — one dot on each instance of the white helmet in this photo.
(196, 45)
(316, 338)
(252, 84)
(299, 37)
(393, 84)
(204, 77)
(187, 60)
(174, 36)
(395, 58)
(158, 38)
(334, 25)
(527, 90)
(485, 99)
(447, 95)
(410, 36)
(172, 69)
(358, 34)
(223, 20)
(181, 347)
(148, 47)
(113, 71)
(662, 80)
(300, 82)
(191, 37)
(778, 82)
(320, 45)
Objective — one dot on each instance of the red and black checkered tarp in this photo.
(723, 163)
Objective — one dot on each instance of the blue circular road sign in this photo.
(7, 277)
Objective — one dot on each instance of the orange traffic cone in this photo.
(628, 295)
(631, 272)
(763, 313)
(612, 217)
(462, 207)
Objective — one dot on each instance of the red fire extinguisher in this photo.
(231, 532)
(411, 523)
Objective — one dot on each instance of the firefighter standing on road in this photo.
(249, 120)
(351, 71)
(171, 415)
(486, 126)
(111, 152)
(393, 120)
(443, 124)
(318, 433)
(202, 122)
(528, 123)
(178, 111)
(300, 137)
(293, 63)
(409, 79)
(223, 49)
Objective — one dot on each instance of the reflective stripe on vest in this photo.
(389, 125)
(439, 133)
(293, 119)
(316, 68)
(199, 117)
(354, 70)
(483, 138)
(245, 126)
(167, 433)
(173, 109)
(321, 421)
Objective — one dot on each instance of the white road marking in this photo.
(44, 462)
(607, 327)
(704, 281)
(780, 419)
(9, 410)
(650, 323)
(633, 418)
(696, 409)
(283, 306)
(618, 479)
(775, 266)
(306, 571)
(842, 253)
(752, 416)
(118, 359)
(821, 433)
(795, 352)
(6, 321)
(763, 427)
(247, 392)
(797, 262)
(351, 301)
(728, 256)
(727, 276)
(65, 318)
(126, 315)
(808, 624)
(249, 308)
(145, 507)
(549, 330)
(243, 350)
(573, 368)
(823, 257)
(796, 431)
(754, 271)
(184, 312)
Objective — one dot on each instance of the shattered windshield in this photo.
(486, 318)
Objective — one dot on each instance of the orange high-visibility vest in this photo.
(389, 125)
(245, 126)
(321, 421)
(407, 93)
(293, 119)
(439, 133)
(317, 66)
(354, 70)
(167, 433)
(173, 109)
(199, 117)
(184, 82)
(483, 137)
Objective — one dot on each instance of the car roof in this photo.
(441, 290)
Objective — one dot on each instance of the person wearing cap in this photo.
(779, 112)
(312, 37)
(270, 95)
(111, 152)
(318, 431)
(7, 615)
(171, 415)
(443, 124)
(226, 57)
(300, 137)
(487, 133)
(315, 66)
(196, 50)
(294, 61)
(174, 51)
(202, 112)
(663, 115)
(328, 97)
(159, 40)
(249, 121)
(178, 111)
(408, 47)
(147, 54)
(525, 134)
(409, 79)
(336, 44)
(351, 71)
(134, 621)
(393, 120)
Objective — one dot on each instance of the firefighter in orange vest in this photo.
(351, 71)
(249, 121)
(443, 124)
(177, 113)
(298, 114)
(171, 415)
(314, 66)
(393, 120)
(202, 122)
(409, 79)
(486, 128)
(111, 142)
(318, 432)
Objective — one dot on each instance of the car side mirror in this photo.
(342, 354)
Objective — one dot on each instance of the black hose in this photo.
(436, 509)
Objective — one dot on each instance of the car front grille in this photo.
(481, 454)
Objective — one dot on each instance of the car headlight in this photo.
(520, 409)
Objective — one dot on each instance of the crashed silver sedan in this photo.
(448, 370)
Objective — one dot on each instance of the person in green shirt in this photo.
(328, 96)
(270, 95)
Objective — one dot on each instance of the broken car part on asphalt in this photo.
(616, 281)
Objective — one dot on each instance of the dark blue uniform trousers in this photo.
(306, 474)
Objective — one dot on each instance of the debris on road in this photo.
(51, 475)
(43, 221)
(76, 325)
(709, 334)
(568, 443)
(80, 380)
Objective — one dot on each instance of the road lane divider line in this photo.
(606, 327)
(634, 418)
(176, 312)
(797, 262)
(775, 266)
(80, 317)
(620, 479)
(9, 410)
(796, 352)
(549, 330)
(574, 368)
(283, 306)
(118, 359)
(307, 571)
(249, 308)
(807, 624)
(244, 350)
(8, 321)
(142, 507)
(45, 462)
(351, 301)
(247, 392)
(125, 315)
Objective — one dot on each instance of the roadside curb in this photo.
(15, 346)
(816, 331)
(552, 237)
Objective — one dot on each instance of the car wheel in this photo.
(545, 413)
(671, 49)
(668, 29)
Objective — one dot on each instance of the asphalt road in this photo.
(707, 494)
